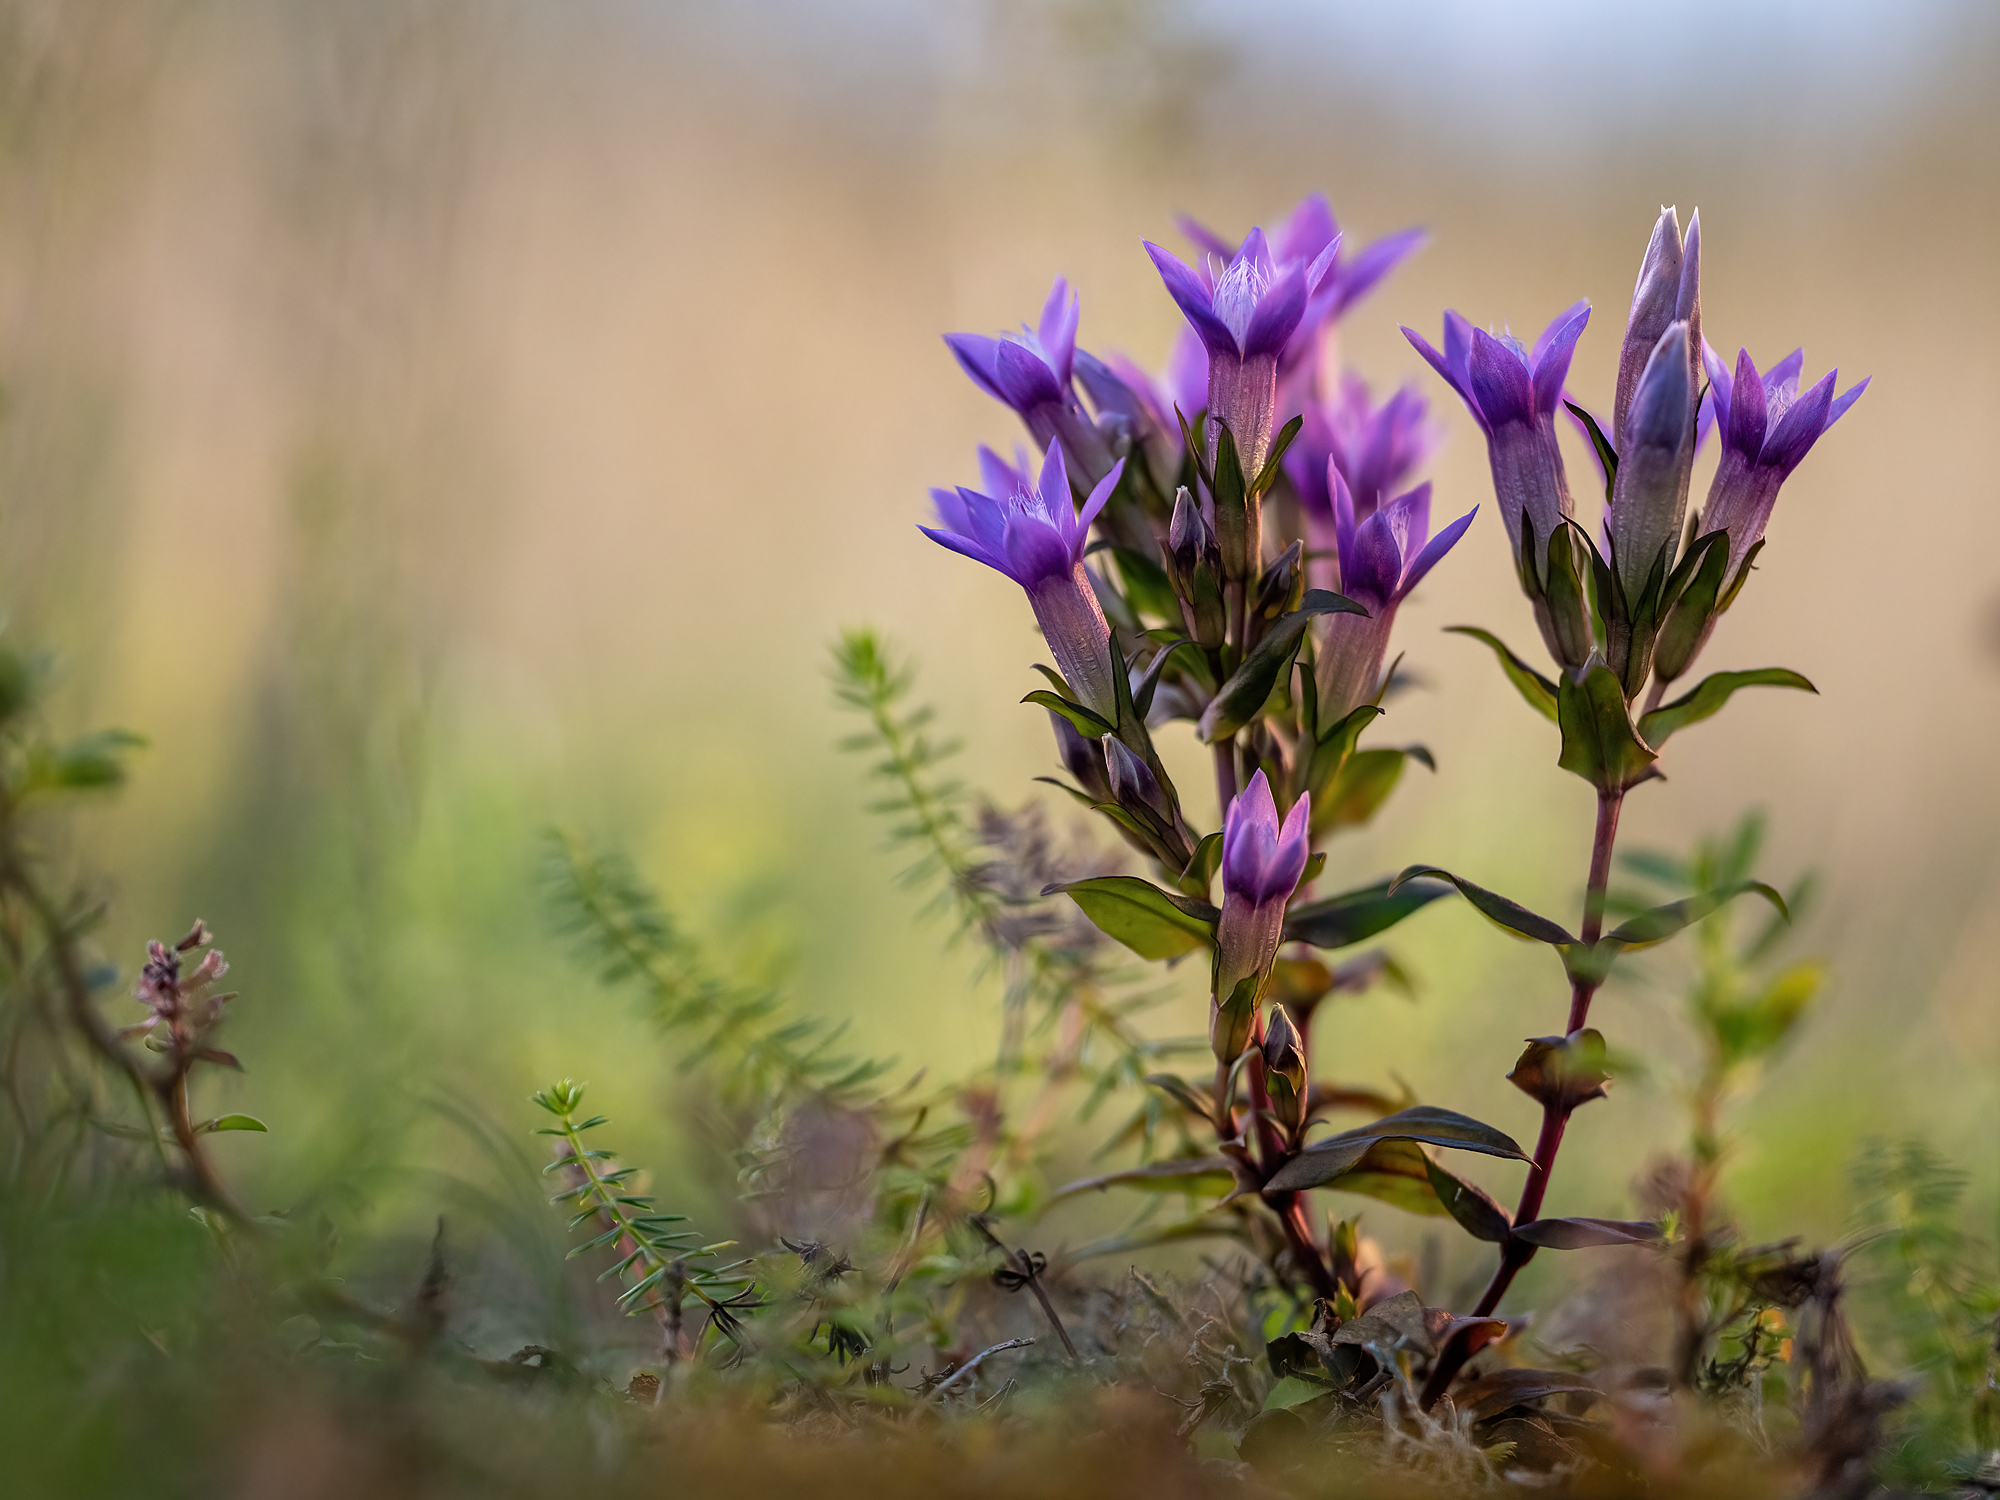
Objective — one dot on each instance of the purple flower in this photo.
(1031, 372)
(1309, 232)
(1035, 534)
(1261, 866)
(1767, 429)
(1514, 396)
(1245, 316)
(1376, 448)
(1382, 559)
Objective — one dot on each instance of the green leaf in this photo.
(1607, 456)
(1362, 785)
(1334, 748)
(1325, 1160)
(1088, 724)
(1355, 916)
(1200, 872)
(1662, 922)
(1598, 740)
(1586, 1234)
(1243, 696)
(232, 1122)
(1146, 585)
(1516, 918)
(1708, 698)
(1184, 1174)
(1151, 922)
(1149, 682)
(1182, 1093)
(1477, 1214)
(1539, 691)
(1268, 475)
(1292, 1391)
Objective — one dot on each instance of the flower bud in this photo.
(1194, 564)
(1649, 496)
(1285, 1069)
(1081, 758)
(1261, 865)
(1283, 585)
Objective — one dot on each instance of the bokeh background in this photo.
(430, 421)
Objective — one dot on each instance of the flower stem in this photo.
(1555, 1116)
(1225, 772)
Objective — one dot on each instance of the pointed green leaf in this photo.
(1607, 456)
(1151, 922)
(1293, 1391)
(1585, 1234)
(1146, 585)
(1356, 916)
(233, 1122)
(1200, 872)
(1662, 922)
(1708, 698)
(1538, 690)
(1362, 784)
(1325, 1160)
(1243, 696)
(1268, 475)
(1477, 1214)
(1598, 740)
(1182, 1093)
(1516, 918)
(1186, 1174)
(1088, 724)
(1149, 682)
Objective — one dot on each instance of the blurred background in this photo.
(433, 421)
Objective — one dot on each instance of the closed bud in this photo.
(1194, 564)
(1283, 586)
(1649, 497)
(1284, 1069)
(1081, 758)
(1134, 787)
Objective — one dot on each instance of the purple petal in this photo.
(1437, 362)
(1500, 385)
(950, 508)
(1343, 512)
(1782, 379)
(1853, 394)
(1002, 479)
(1200, 234)
(1371, 569)
(1687, 301)
(1095, 502)
(1744, 430)
(1186, 375)
(1279, 309)
(1293, 840)
(965, 546)
(1360, 275)
(1249, 839)
(1054, 486)
(975, 356)
(1057, 331)
(1719, 381)
(1458, 347)
(1036, 549)
(1023, 377)
(986, 520)
(1435, 550)
(1552, 355)
(1309, 231)
(1256, 252)
(1196, 302)
(1410, 517)
(1800, 427)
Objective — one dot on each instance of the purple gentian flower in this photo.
(1031, 372)
(1767, 429)
(1375, 448)
(1308, 233)
(1261, 866)
(1245, 318)
(1035, 534)
(1514, 396)
(1382, 558)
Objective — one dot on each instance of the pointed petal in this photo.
(1744, 430)
(1552, 356)
(1000, 478)
(1782, 379)
(975, 356)
(1343, 513)
(1278, 312)
(1720, 383)
(1500, 383)
(1200, 234)
(1437, 362)
(1057, 330)
(1095, 502)
(1309, 229)
(1800, 427)
(1322, 266)
(965, 546)
(1373, 568)
(1365, 271)
(1435, 549)
(1024, 378)
(1847, 399)
(1687, 300)
(1036, 550)
(1196, 303)
(1054, 485)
